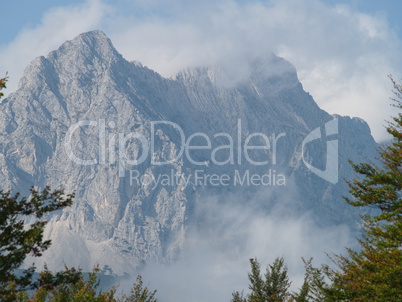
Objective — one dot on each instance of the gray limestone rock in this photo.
(83, 115)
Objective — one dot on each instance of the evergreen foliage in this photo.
(374, 273)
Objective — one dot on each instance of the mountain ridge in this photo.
(87, 80)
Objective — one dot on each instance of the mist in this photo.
(230, 232)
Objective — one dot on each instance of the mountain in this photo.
(141, 151)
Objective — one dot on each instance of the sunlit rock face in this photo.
(125, 139)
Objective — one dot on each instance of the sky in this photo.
(343, 50)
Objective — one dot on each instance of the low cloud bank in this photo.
(229, 233)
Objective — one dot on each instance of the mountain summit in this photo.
(141, 151)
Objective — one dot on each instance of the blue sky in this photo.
(17, 15)
(342, 50)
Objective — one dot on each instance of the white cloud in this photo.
(216, 261)
(57, 25)
(342, 56)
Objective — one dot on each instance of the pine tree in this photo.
(277, 281)
(374, 273)
(17, 240)
(3, 82)
(273, 289)
(257, 284)
(139, 293)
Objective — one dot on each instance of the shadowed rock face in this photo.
(120, 217)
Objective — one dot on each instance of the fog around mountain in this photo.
(165, 181)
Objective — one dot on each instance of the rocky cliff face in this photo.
(125, 140)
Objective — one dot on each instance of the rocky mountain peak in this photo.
(90, 44)
(260, 71)
(110, 104)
